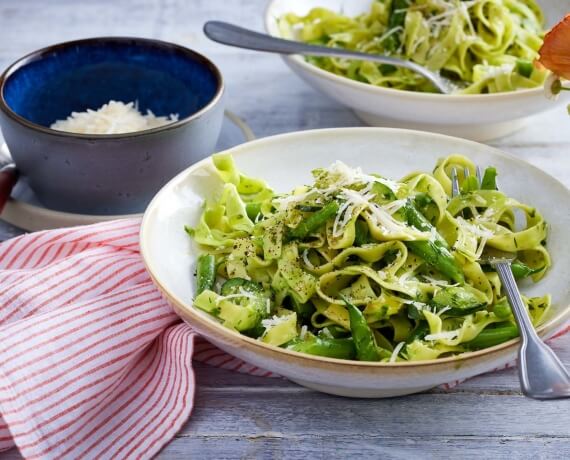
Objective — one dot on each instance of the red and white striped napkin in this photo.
(93, 361)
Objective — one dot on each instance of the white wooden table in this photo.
(237, 416)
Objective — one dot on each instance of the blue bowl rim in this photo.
(40, 54)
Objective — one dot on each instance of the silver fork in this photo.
(233, 35)
(541, 374)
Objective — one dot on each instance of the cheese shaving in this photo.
(396, 352)
(305, 257)
(445, 335)
(115, 117)
(303, 332)
(268, 323)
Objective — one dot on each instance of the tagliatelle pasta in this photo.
(486, 46)
(358, 266)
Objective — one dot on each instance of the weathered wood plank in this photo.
(303, 412)
(325, 447)
(406, 447)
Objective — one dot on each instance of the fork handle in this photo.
(233, 35)
(541, 373)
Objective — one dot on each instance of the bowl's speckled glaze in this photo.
(117, 173)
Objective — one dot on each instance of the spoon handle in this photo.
(541, 373)
(8, 178)
(232, 35)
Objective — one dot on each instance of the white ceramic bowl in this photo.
(477, 117)
(285, 161)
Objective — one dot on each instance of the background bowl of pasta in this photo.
(286, 161)
(487, 46)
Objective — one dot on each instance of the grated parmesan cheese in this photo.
(435, 281)
(306, 260)
(443, 310)
(396, 352)
(347, 176)
(327, 333)
(344, 176)
(275, 321)
(478, 231)
(445, 335)
(114, 117)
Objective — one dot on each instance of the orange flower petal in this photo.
(555, 51)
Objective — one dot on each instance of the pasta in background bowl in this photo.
(484, 46)
(495, 60)
(285, 161)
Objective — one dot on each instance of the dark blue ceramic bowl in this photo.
(118, 173)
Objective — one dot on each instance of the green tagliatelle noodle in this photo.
(486, 46)
(357, 266)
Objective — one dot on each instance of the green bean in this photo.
(489, 181)
(417, 220)
(458, 301)
(524, 67)
(414, 312)
(521, 270)
(361, 233)
(320, 346)
(206, 273)
(470, 184)
(315, 221)
(438, 257)
(253, 210)
(436, 253)
(493, 336)
(502, 310)
(421, 200)
(397, 18)
(366, 349)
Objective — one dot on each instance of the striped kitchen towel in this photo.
(93, 361)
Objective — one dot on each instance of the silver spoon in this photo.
(232, 35)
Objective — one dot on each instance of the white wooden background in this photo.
(238, 416)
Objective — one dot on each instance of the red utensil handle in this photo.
(8, 178)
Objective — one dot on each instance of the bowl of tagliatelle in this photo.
(339, 259)
(486, 47)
